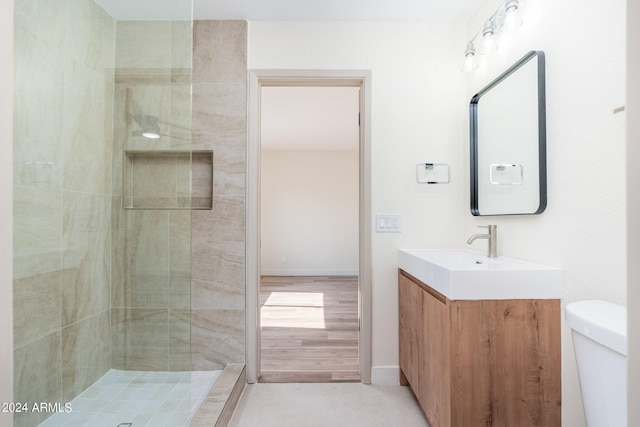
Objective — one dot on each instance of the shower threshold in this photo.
(138, 399)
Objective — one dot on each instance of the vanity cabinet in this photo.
(480, 362)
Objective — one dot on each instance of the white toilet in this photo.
(599, 330)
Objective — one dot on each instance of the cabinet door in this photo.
(410, 307)
(434, 360)
(506, 356)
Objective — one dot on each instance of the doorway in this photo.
(286, 272)
(309, 163)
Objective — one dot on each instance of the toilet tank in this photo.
(599, 331)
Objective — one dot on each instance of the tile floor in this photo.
(144, 399)
(327, 405)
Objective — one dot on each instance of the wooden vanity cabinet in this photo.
(480, 363)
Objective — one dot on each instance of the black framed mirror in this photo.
(508, 141)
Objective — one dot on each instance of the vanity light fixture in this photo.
(512, 16)
(470, 60)
(505, 19)
(489, 43)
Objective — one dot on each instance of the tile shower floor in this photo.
(144, 399)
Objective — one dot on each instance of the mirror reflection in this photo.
(508, 142)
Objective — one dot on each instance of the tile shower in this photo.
(102, 287)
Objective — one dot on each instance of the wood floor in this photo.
(309, 329)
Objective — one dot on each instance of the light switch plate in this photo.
(388, 223)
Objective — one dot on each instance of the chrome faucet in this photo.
(491, 236)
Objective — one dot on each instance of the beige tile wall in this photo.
(218, 236)
(62, 186)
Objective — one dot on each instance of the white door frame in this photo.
(352, 78)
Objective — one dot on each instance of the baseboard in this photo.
(388, 375)
(309, 272)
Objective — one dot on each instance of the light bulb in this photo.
(512, 16)
(150, 135)
(470, 62)
(489, 43)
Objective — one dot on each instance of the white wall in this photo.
(6, 204)
(309, 213)
(583, 229)
(633, 209)
(419, 114)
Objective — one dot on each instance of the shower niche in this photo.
(167, 179)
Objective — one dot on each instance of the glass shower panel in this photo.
(151, 219)
(152, 196)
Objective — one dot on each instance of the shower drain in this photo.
(125, 425)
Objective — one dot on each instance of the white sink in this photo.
(469, 275)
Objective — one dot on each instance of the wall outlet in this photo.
(388, 223)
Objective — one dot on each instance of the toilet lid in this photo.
(602, 321)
